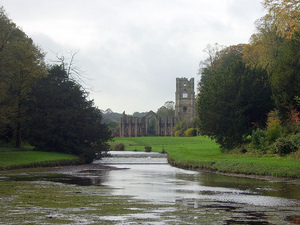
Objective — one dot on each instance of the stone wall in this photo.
(149, 125)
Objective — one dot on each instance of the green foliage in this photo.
(231, 97)
(284, 77)
(21, 65)
(295, 139)
(63, 120)
(167, 109)
(179, 128)
(258, 139)
(274, 128)
(284, 146)
(191, 132)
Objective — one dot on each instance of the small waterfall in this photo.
(130, 157)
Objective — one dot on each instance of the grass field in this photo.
(12, 159)
(203, 153)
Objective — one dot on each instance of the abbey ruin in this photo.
(154, 125)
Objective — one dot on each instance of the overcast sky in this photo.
(131, 51)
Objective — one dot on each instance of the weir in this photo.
(134, 158)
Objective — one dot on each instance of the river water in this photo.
(237, 200)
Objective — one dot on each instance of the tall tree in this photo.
(276, 46)
(63, 120)
(231, 98)
(21, 65)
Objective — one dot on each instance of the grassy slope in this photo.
(18, 159)
(201, 152)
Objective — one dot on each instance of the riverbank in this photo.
(201, 153)
(11, 158)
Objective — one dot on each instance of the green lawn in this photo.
(203, 153)
(18, 159)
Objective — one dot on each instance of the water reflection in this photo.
(163, 183)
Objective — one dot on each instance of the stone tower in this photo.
(185, 99)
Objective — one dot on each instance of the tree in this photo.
(231, 98)
(168, 109)
(275, 47)
(21, 65)
(285, 16)
(63, 120)
(285, 77)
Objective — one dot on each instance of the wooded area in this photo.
(250, 93)
(42, 105)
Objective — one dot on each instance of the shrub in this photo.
(284, 146)
(258, 139)
(191, 132)
(274, 128)
(120, 147)
(295, 139)
(87, 156)
(243, 150)
(148, 149)
(176, 134)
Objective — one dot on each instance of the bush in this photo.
(148, 149)
(87, 156)
(119, 147)
(284, 146)
(258, 139)
(191, 132)
(274, 128)
(295, 139)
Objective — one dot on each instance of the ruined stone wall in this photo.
(140, 126)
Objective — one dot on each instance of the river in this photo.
(142, 188)
(246, 200)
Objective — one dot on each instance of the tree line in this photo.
(249, 94)
(43, 105)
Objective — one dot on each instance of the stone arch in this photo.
(152, 122)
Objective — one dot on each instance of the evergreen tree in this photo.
(63, 120)
(232, 97)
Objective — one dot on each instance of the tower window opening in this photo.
(184, 94)
(184, 109)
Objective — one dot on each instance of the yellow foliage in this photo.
(285, 14)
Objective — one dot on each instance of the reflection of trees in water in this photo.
(151, 127)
